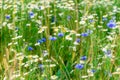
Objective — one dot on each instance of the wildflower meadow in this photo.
(59, 39)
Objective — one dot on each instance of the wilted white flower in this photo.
(54, 77)
(4, 24)
(74, 48)
(68, 37)
(82, 22)
(84, 76)
(110, 38)
(26, 65)
(52, 65)
(76, 43)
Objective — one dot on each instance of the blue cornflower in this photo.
(30, 48)
(52, 38)
(60, 34)
(108, 53)
(93, 71)
(68, 18)
(43, 39)
(31, 14)
(77, 40)
(111, 24)
(40, 41)
(79, 66)
(40, 65)
(84, 34)
(91, 20)
(83, 58)
(45, 53)
(8, 17)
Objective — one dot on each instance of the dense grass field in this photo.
(59, 39)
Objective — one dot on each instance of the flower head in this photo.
(8, 17)
(108, 53)
(83, 58)
(52, 38)
(40, 41)
(93, 70)
(91, 20)
(77, 40)
(31, 14)
(40, 65)
(45, 53)
(60, 34)
(79, 66)
(30, 48)
(43, 39)
(68, 17)
(111, 24)
(84, 34)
